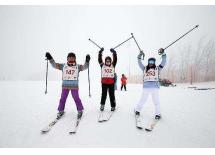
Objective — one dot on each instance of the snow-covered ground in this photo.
(188, 117)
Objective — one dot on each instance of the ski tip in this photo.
(138, 127)
(43, 132)
(146, 129)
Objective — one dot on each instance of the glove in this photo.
(161, 51)
(48, 56)
(101, 50)
(112, 50)
(88, 58)
(140, 55)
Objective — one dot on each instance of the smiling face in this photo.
(71, 60)
(108, 62)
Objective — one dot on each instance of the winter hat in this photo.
(71, 55)
(151, 61)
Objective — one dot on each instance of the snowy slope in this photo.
(188, 118)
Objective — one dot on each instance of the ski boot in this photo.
(157, 117)
(113, 108)
(60, 114)
(102, 107)
(137, 113)
(80, 113)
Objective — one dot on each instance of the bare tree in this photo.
(208, 51)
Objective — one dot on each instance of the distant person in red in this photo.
(123, 82)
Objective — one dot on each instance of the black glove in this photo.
(161, 51)
(101, 50)
(112, 50)
(87, 58)
(48, 56)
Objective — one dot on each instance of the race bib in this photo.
(151, 75)
(108, 72)
(70, 72)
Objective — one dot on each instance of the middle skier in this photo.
(107, 78)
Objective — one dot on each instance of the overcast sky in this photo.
(27, 32)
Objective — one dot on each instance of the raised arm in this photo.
(163, 57)
(163, 61)
(56, 65)
(53, 63)
(86, 64)
(139, 60)
(114, 57)
(100, 57)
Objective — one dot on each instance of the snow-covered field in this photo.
(188, 117)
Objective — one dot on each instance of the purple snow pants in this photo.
(75, 96)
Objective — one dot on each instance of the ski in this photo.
(105, 117)
(108, 116)
(49, 127)
(138, 122)
(152, 125)
(101, 117)
(74, 130)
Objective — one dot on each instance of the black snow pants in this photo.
(110, 88)
(123, 85)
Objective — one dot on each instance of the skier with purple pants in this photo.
(70, 74)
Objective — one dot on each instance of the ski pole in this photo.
(122, 42)
(94, 43)
(181, 37)
(136, 42)
(89, 79)
(46, 75)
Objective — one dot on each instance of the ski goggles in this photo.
(151, 62)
